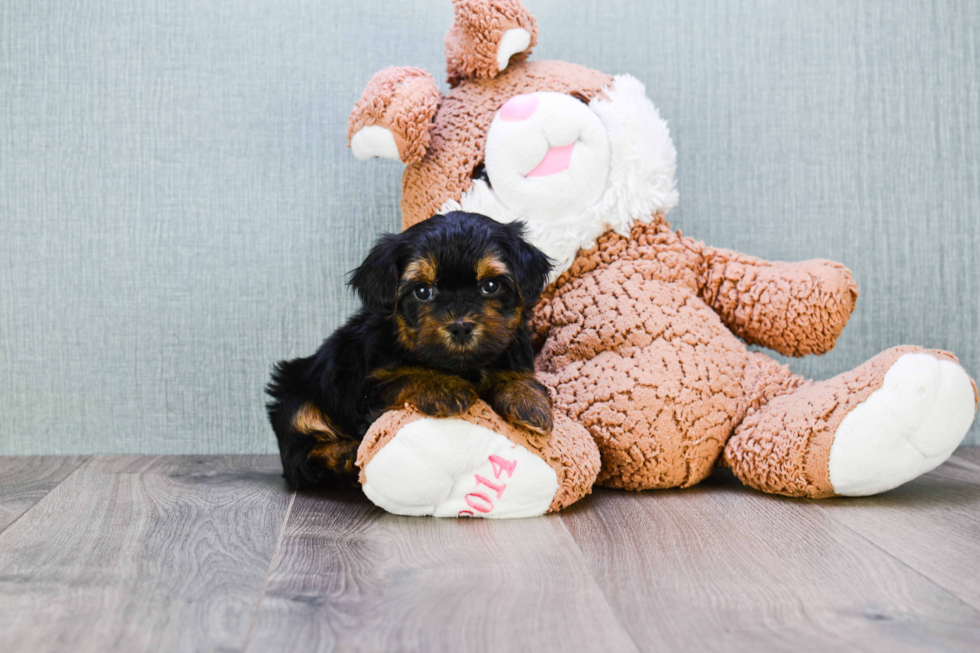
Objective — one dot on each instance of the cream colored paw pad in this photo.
(452, 468)
(907, 427)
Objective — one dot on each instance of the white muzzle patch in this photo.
(550, 160)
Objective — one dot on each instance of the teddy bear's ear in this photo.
(393, 116)
(486, 36)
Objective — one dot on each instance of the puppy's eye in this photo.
(489, 286)
(423, 292)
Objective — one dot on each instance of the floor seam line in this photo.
(900, 561)
(595, 582)
(46, 494)
(268, 574)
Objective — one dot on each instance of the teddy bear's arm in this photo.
(793, 308)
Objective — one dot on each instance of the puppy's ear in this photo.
(530, 265)
(376, 279)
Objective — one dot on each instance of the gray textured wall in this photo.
(177, 207)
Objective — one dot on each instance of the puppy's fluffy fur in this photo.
(443, 322)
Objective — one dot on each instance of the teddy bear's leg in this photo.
(865, 431)
(475, 465)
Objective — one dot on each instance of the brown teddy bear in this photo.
(643, 331)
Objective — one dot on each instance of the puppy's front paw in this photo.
(451, 396)
(524, 402)
(529, 413)
(433, 393)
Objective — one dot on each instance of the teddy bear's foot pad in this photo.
(907, 427)
(453, 468)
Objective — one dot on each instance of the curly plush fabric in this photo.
(642, 336)
(402, 100)
(633, 348)
(471, 44)
(570, 450)
(796, 309)
(784, 447)
(459, 132)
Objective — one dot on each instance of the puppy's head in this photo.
(458, 286)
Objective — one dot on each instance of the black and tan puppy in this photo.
(443, 322)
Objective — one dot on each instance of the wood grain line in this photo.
(25, 480)
(350, 577)
(930, 524)
(268, 574)
(137, 553)
(142, 554)
(720, 567)
(582, 505)
(968, 456)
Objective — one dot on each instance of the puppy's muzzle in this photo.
(461, 331)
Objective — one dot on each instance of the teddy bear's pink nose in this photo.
(519, 107)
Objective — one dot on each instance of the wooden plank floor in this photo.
(193, 553)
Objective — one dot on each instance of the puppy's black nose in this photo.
(461, 330)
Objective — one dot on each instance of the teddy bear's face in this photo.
(570, 169)
(547, 154)
(570, 151)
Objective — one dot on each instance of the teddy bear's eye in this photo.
(480, 172)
